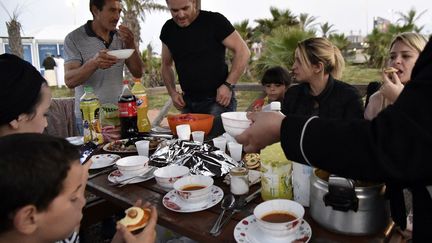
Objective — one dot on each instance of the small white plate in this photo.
(174, 203)
(116, 175)
(121, 54)
(78, 140)
(103, 160)
(247, 231)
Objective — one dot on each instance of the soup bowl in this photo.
(279, 217)
(132, 165)
(193, 189)
(168, 175)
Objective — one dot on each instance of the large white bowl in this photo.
(235, 122)
(132, 164)
(166, 176)
(195, 195)
(121, 54)
(279, 206)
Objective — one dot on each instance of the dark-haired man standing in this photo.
(195, 41)
(86, 59)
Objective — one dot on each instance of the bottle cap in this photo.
(88, 89)
(125, 81)
(239, 171)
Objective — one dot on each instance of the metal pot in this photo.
(339, 205)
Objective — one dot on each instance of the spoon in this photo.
(227, 203)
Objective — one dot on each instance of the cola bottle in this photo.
(127, 112)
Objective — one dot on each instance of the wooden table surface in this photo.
(196, 225)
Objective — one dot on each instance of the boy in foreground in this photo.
(42, 183)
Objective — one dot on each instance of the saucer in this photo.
(116, 175)
(174, 203)
(247, 231)
(103, 160)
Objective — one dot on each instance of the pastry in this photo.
(135, 218)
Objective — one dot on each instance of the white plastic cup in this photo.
(143, 147)
(183, 132)
(301, 183)
(235, 150)
(198, 136)
(220, 143)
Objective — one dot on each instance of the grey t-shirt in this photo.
(81, 45)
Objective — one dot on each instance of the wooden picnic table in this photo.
(196, 225)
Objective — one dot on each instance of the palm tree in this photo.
(340, 41)
(326, 29)
(134, 9)
(410, 18)
(280, 47)
(279, 18)
(306, 21)
(14, 32)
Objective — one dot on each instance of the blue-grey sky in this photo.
(346, 15)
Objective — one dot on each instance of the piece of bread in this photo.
(135, 218)
(390, 70)
(252, 160)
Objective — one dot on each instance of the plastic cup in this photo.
(143, 147)
(235, 150)
(183, 132)
(198, 136)
(220, 143)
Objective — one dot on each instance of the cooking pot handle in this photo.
(341, 195)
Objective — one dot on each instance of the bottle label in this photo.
(142, 101)
(127, 109)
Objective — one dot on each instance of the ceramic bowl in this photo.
(121, 54)
(197, 122)
(166, 176)
(193, 196)
(132, 164)
(282, 229)
(235, 122)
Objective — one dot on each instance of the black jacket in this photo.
(395, 147)
(338, 100)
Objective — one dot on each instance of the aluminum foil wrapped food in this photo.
(201, 159)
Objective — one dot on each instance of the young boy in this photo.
(276, 81)
(42, 182)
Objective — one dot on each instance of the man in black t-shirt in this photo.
(195, 41)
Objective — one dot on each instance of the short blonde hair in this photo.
(318, 49)
(413, 40)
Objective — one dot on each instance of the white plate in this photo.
(116, 175)
(103, 160)
(121, 54)
(247, 231)
(174, 203)
(78, 140)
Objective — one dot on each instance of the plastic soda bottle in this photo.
(127, 112)
(143, 121)
(89, 106)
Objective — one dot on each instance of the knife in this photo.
(239, 207)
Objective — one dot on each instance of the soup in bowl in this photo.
(193, 189)
(279, 217)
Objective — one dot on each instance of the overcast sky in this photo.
(347, 16)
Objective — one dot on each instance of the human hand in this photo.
(264, 130)
(391, 87)
(178, 101)
(127, 37)
(102, 60)
(148, 235)
(223, 96)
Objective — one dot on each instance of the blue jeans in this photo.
(210, 106)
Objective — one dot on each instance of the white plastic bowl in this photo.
(195, 195)
(121, 54)
(235, 122)
(132, 164)
(168, 175)
(279, 205)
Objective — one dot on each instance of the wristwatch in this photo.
(229, 85)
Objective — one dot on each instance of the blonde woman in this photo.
(404, 51)
(317, 67)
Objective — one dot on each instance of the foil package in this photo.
(201, 159)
